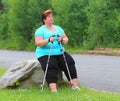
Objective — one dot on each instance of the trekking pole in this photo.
(65, 60)
(43, 83)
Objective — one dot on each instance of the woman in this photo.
(49, 39)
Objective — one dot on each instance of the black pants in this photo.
(55, 63)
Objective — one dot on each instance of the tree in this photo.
(71, 16)
(17, 24)
(3, 23)
(23, 17)
(113, 23)
(103, 24)
(77, 22)
(34, 11)
(88, 23)
(1, 6)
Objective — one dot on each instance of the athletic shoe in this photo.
(75, 87)
(54, 91)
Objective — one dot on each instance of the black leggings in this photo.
(55, 63)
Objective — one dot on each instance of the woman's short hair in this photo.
(45, 14)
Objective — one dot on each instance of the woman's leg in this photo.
(72, 69)
(51, 75)
(53, 87)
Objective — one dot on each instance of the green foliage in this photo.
(34, 17)
(4, 23)
(23, 17)
(77, 22)
(71, 16)
(17, 83)
(103, 29)
(89, 24)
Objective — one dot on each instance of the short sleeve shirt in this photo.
(46, 34)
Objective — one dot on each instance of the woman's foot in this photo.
(54, 91)
(53, 87)
(74, 84)
(76, 88)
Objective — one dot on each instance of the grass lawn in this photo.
(65, 93)
(2, 71)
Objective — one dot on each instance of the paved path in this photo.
(95, 71)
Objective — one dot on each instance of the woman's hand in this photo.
(60, 39)
(51, 39)
(64, 39)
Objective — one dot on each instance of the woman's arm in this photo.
(39, 41)
(64, 39)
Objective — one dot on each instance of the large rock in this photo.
(24, 74)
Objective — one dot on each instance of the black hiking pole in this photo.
(63, 51)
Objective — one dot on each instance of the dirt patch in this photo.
(105, 51)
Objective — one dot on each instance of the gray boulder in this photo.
(24, 74)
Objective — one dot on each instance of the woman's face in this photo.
(49, 19)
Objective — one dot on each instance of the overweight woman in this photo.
(49, 39)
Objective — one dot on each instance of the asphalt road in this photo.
(94, 71)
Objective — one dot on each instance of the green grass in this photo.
(65, 93)
(2, 71)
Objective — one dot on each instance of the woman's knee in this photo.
(53, 64)
(69, 59)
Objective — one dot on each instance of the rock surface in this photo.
(23, 75)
